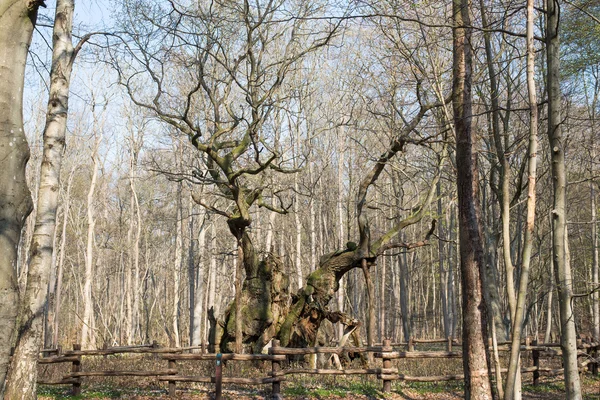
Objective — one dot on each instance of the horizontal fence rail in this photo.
(277, 355)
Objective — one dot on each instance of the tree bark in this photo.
(22, 376)
(595, 263)
(199, 289)
(562, 268)
(17, 20)
(87, 329)
(491, 291)
(370, 306)
(178, 264)
(513, 381)
(54, 303)
(475, 353)
(443, 272)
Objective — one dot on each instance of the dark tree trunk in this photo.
(475, 354)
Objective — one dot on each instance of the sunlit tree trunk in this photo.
(562, 268)
(178, 263)
(87, 328)
(22, 376)
(513, 382)
(17, 20)
(340, 216)
(199, 290)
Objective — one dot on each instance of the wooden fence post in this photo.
(535, 356)
(387, 363)
(275, 366)
(172, 384)
(411, 344)
(449, 344)
(76, 367)
(592, 352)
(595, 363)
(219, 376)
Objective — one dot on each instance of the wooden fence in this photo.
(385, 371)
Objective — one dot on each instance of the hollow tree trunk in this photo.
(263, 303)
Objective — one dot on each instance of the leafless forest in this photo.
(231, 172)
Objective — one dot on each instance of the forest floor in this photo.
(339, 389)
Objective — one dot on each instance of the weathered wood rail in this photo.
(384, 371)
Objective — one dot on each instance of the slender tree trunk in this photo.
(451, 262)
(340, 212)
(313, 218)
(269, 240)
(562, 268)
(191, 264)
(513, 383)
(475, 354)
(128, 270)
(443, 272)
(200, 291)
(87, 331)
(298, 228)
(371, 316)
(61, 262)
(175, 311)
(404, 296)
(595, 279)
(239, 268)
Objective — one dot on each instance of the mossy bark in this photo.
(270, 311)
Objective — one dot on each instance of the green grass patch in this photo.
(341, 390)
(430, 387)
(547, 387)
(98, 392)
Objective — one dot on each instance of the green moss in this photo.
(285, 332)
